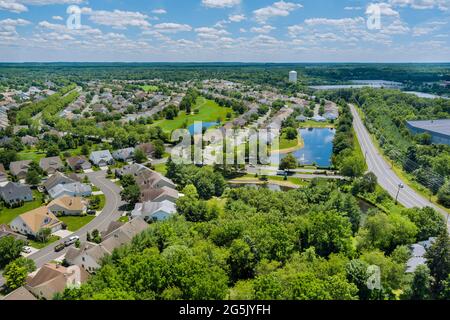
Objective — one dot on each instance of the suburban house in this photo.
(152, 179)
(6, 231)
(75, 189)
(89, 255)
(15, 193)
(3, 174)
(53, 278)
(67, 206)
(418, 251)
(31, 222)
(20, 294)
(79, 163)
(156, 211)
(51, 165)
(159, 195)
(147, 148)
(29, 140)
(19, 169)
(101, 158)
(132, 169)
(123, 154)
(56, 179)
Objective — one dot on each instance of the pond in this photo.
(205, 126)
(318, 147)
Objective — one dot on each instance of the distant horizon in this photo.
(221, 62)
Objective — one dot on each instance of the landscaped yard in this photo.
(208, 111)
(161, 168)
(75, 223)
(7, 215)
(31, 154)
(148, 88)
(40, 245)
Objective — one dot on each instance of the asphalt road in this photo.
(111, 212)
(387, 178)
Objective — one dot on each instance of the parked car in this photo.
(91, 212)
(71, 241)
(26, 250)
(60, 247)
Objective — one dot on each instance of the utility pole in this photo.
(400, 186)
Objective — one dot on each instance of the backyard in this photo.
(7, 215)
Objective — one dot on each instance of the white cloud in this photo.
(117, 19)
(263, 29)
(236, 18)
(10, 5)
(220, 3)
(346, 22)
(57, 18)
(278, 9)
(211, 33)
(159, 11)
(422, 4)
(172, 27)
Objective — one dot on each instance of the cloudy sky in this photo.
(225, 30)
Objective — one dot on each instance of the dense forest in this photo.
(310, 243)
(385, 115)
(412, 75)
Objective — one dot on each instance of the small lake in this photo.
(318, 147)
(358, 84)
(425, 95)
(205, 126)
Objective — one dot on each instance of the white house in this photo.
(101, 158)
(31, 222)
(75, 189)
(154, 210)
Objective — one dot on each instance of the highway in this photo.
(111, 212)
(387, 178)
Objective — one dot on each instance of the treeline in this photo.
(346, 153)
(238, 106)
(306, 244)
(49, 106)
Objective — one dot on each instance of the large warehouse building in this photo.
(438, 129)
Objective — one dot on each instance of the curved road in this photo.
(387, 178)
(111, 212)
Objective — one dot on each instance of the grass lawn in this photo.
(75, 223)
(208, 111)
(102, 201)
(40, 245)
(293, 180)
(8, 215)
(161, 168)
(315, 124)
(31, 154)
(148, 88)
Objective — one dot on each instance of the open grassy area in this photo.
(161, 168)
(40, 245)
(75, 223)
(7, 215)
(315, 124)
(208, 111)
(149, 88)
(31, 154)
(274, 179)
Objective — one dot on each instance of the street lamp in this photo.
(400, 186)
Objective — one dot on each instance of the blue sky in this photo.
(226, 30)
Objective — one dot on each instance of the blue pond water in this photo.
(318, 147)
(205, 125)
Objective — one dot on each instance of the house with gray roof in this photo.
(14, 194)
(51, 165)
(19, 169)
(29, 140)
(418, 251)
(3, 174)
(154, 211)
(101, 158)
(159, 195)
(123, 154)
(79, 163)
(75, 189)
(56, 179)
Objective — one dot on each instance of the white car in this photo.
(26, 250)
(71, 240)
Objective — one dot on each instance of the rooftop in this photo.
(438, 126)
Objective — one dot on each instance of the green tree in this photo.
(429, 222)
(288, 163)
(291, 133)
(242, 260)
(32, 178)
(131, 194)
(43, 234)
(159, 149)
(438, 260)
(10, 249)
(139, 156)
(421, 284)
(444, 194)
(15, 275)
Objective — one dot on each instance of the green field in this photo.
(40, 245)
(148, 88)
(8, 215)
(208, 111)
(31, 154)
(75, 223)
